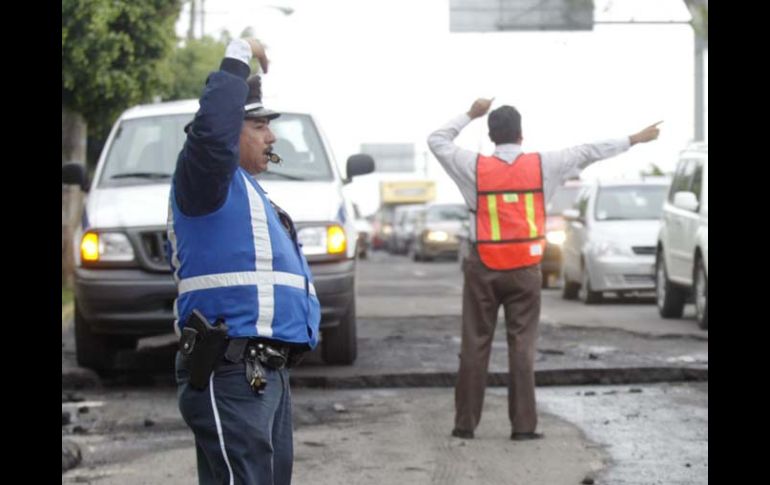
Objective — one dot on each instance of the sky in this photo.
(380, 71)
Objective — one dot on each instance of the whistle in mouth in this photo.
(274, 158)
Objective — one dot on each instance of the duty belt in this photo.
(271, 355)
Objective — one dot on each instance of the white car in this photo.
(610, 238)
(404, 219)
(682, 260)
(124, 288)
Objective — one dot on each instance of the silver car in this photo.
(436, 231)
(610, 238)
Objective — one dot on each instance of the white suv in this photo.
(681, 264)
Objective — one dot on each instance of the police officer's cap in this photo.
(254, 107)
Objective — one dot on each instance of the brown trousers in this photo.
(484, 290)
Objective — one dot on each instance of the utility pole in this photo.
(191, 28)
(700, 27)
(203, 16)
(700, 114)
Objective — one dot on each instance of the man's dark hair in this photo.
(504, 125)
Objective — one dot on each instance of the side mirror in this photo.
(74, 174)
(686, 201)
(571, 215)
(359, 164)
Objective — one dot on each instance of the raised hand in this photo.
(258, 52)
(480, 107)
(647, 134)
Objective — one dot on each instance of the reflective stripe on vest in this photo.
(258, 278)
(251, 273)
(510, 216)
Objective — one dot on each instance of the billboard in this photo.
(407, 191)
(513, 15)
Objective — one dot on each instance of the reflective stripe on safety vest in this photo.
(510, 215)
(239, 263)
(243, 278)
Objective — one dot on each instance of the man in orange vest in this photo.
(507, 192)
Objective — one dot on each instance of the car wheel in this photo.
(670, 298)
(701, 292)
(97, 352)
(585, 293)
(339, 344)
(546, 279)
(362, 251)
(570, 289)
(414, 253)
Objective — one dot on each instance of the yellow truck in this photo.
(407, 192)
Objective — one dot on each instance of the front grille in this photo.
(644, 249)
(153, 250)
(638, 278)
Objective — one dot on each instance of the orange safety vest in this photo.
(510, 212)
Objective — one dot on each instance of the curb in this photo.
(543, 378)
(79, 378)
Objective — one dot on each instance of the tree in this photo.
(191, 65)
(113, 53)
(113, 56)
(653, 170)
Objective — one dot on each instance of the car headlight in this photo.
(436, 236)
(105, 247)
(609, 248)
(323, 240)
(556, 237)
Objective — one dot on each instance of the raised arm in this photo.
(210, 155)
(561, 165)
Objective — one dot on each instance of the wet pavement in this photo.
(619, 435)
(653, 434)
(386, 419)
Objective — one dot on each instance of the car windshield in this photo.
(447, 213)
(630, 202)
(145, 150)
(299, 146)
(562, 199)
(403, 212)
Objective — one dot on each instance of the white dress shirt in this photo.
(558, 166)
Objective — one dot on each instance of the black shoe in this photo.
(458, 433)
(526, 436)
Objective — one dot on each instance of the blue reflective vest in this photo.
(240, 264)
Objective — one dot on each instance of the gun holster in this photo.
(202, 346)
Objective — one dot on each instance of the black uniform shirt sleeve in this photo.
(210, 155)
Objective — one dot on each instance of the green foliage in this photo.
(191, 65)
(113, 54)
(652, 171)
(67, 296)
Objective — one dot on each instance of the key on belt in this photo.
(255, 372)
